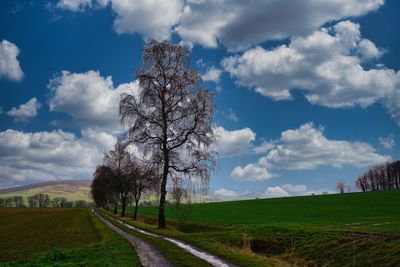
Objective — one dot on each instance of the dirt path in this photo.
(207, 257)
(147, 254)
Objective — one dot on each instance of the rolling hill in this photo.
(71, 189)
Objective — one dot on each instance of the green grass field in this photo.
(359, 229)
(49, 237)
(372, 211)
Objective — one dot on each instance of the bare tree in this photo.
(170, 118)
(43, 200)
(18, 201)
(143, 178)
(59, 202)
(118, 160)
(39, 200)
(340, 186)
(8, 202)
(32, 202)
(384, 176)
(178, 192)
(101, 188)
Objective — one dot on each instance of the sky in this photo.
(306, 92)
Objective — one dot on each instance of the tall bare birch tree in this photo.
(170, 119)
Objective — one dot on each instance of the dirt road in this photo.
(147, 254)
(203, 255)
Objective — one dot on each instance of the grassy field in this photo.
(48, 237)
(69, 191)
(359, 229)
(372, 211)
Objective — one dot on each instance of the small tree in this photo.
(32, 202)
(340, 186)
(178, 192)
(18, 201)
(43, 200)
(384, 176)
(143, 178)
(59, 202)
(39, 200)
(101, 188)
(170, 118)
(9, 202)
(118, 160)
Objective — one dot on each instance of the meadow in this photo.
(370, 211)
(44, 237)
(353, 229)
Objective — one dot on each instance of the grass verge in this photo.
(172, 253)
(207, 241)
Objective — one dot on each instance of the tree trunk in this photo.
(116, 208)
(161, 214)
(136, 210)
(123, 200)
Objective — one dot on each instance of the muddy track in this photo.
(201, 254)
(148, 256)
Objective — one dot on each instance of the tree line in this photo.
(41, 201)
(384, 176)
(169, 121)
(121, 179)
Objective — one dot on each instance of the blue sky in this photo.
(306, 93)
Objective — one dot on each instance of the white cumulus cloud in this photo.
(151, 18)
(234, 23)
(251, 173)
(234, 142)
(239, 24)
(41, 156)
(213, 74)
(226, 193)
(307, 148)
(286, 190)
(275, 191)
(9, 64)
(90, 99)
(25, 111)
(326, 64)
(294, 188)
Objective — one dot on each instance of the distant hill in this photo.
(71, 189)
